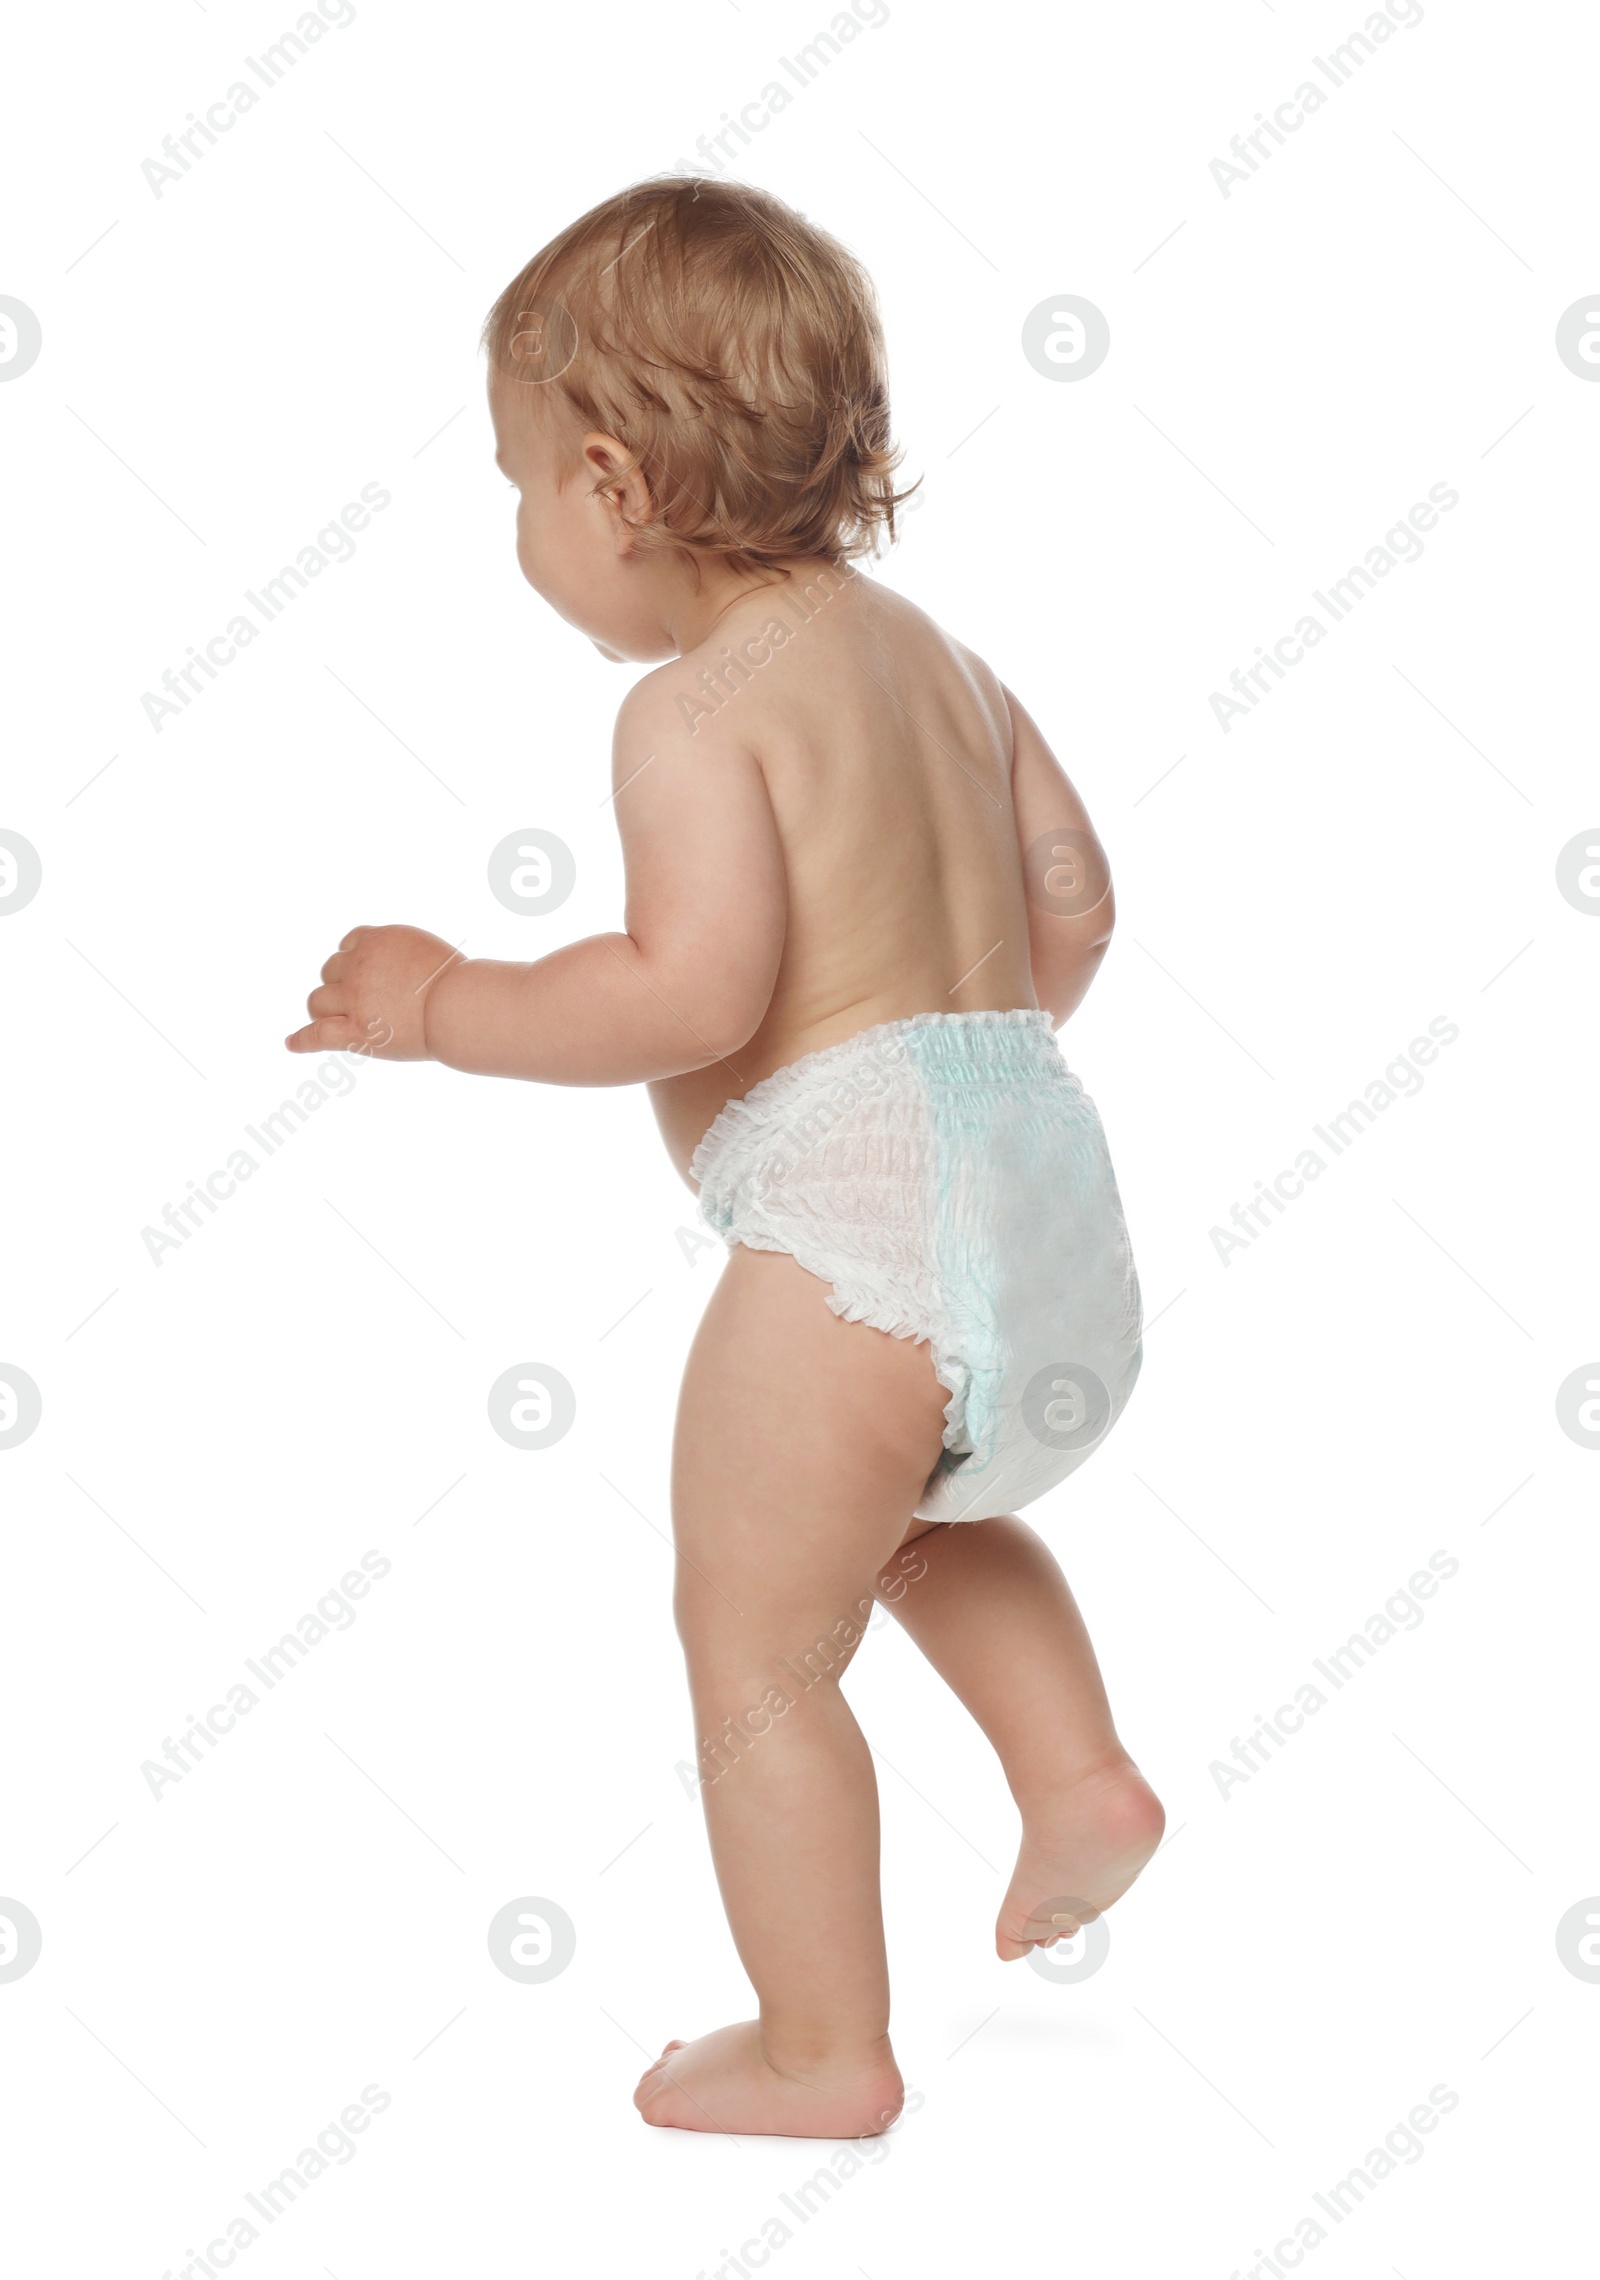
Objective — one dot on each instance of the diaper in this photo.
(948, 1176)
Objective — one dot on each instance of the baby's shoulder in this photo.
(800, 663)
(673, 705)
(671, 719)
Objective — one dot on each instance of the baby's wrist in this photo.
(436, 1010)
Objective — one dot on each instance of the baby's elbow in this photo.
(1104, 917)
(722, 1039)
(1066, 954)
(737, 1027)
(727, 1017)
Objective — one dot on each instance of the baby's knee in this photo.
(765, 1645)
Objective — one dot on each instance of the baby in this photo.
(861, 897)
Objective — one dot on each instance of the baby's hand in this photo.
(371, 996)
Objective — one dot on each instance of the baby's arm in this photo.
(684, 984)
(1070, 906)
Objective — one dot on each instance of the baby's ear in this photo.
(621, 486)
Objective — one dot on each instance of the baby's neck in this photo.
(690, 612)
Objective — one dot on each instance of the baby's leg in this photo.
(994, 1616)
(803, 1443)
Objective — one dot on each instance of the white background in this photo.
(1371, 1381)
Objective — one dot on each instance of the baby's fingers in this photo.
(334, 1033)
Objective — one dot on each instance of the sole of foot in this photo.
(1083, 1846)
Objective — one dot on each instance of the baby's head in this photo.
(688, 385)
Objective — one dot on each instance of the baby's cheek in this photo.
(527, 548)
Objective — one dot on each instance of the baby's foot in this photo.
(1089, 1841)
(725, 2081)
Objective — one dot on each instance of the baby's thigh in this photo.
(803, 1443)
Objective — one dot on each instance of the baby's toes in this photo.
(656, 2064)
(660, 2100)
(1017, 1932)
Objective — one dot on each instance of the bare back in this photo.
(886, 750)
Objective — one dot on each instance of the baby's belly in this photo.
(686, 1108)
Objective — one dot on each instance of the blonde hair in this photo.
(734, 349)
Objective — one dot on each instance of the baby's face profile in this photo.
(574, 546)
